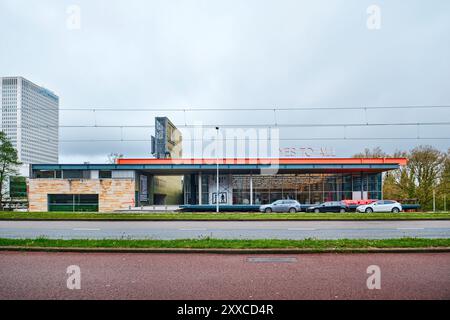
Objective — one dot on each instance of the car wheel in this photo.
(292, 210)
(267, 210)
(369, 210)
(316, 210)
(395, 210)
(342, 211)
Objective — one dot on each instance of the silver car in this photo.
(290, 206)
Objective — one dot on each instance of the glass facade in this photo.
(205, 189)
(190, 189)
(73, 202)
(243, 189)
(305, 188)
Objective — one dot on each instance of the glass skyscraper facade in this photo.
(30, 118)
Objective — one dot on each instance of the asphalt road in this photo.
(225, 229)
(39, 275)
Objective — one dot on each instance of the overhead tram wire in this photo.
(185, 109)
(268, 108)
(251, 139)
(266, 125)
(121, 127)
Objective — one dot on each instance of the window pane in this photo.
(60, 198)
(73, 202)
(45, 174)
(73, 174)
(104, 174)
(88, 198)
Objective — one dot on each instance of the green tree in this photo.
(426, 165)
(418, 178)
(8, 163)
(391, 189)
(400, 184)
(428, 169)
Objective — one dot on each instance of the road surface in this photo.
(39, 275)
(225, 229)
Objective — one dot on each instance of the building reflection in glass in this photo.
(305, 188)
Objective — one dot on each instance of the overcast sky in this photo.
(234, 53)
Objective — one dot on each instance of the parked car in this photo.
(291, 206)
(331, 206)
(381, 206)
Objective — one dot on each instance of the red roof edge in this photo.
(397, 161)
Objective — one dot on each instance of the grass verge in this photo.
(209, 243)
(243, 216)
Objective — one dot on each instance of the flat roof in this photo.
(240, 166)
(396, 161)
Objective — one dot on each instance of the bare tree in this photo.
(113, 156)
(374, 153)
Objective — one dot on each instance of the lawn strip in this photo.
(209, 243)
(228, 216)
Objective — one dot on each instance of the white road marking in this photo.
(192, 229)
(301, 229)
(410, 228)
(86, 229)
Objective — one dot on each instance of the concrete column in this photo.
(228, 187)
(251, 189)
(362, 186)
(199, 188)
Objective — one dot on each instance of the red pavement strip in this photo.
(42, 275)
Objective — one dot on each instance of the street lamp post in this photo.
(434, 200)
(217, 167)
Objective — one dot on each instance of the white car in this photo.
(381, 206)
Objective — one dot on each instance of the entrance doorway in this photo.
(159, 199)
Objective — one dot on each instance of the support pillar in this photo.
(251, 189)
(362, 186)
(199, 188)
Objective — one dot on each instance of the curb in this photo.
(226, 251)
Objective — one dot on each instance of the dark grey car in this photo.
(330, 206)
(291, 206)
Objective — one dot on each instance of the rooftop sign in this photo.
(307, 152)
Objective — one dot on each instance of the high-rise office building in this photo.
(30, 118)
